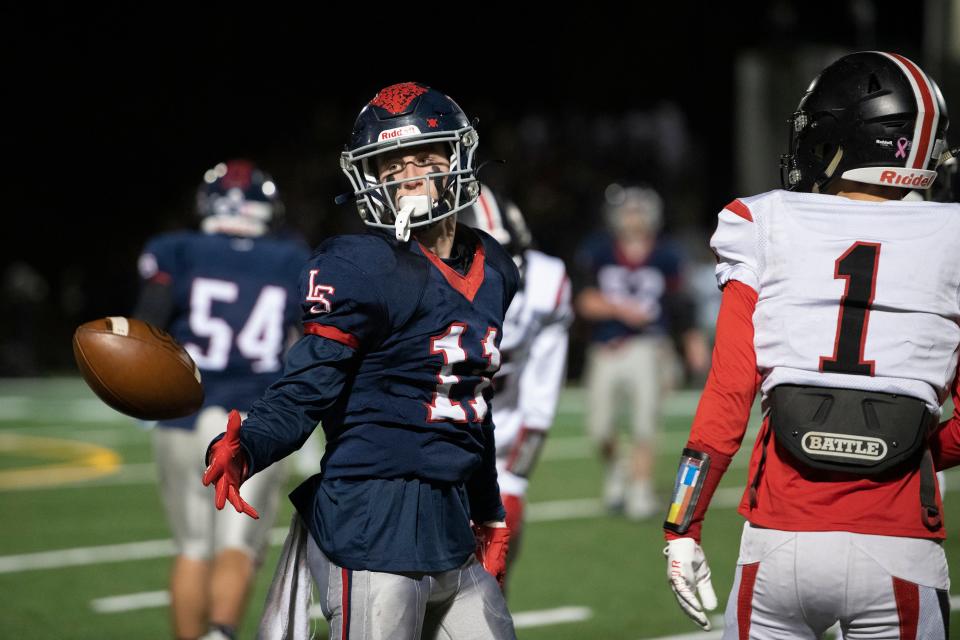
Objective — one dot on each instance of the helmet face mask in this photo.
(869, 117)
(237, 198)
(401, 120)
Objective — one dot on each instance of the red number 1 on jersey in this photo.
(858, 266)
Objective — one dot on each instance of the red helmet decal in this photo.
(239, 174)
(432, 122)
(397, 97)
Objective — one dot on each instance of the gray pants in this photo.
(460, 604)
(637, 371)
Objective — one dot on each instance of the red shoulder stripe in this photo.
(740, 209)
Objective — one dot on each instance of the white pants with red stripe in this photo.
(796, 585)
(460, 604)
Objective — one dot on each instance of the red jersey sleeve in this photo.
(724, 409)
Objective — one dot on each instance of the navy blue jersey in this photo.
(396, 362)
(234, 301)
(647, 284)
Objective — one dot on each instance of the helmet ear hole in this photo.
(873, 84)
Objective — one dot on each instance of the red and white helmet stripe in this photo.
(928, 112)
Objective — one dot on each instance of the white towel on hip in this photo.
(286, 614)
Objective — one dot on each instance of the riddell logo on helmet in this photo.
(909, 180)
(399, 132)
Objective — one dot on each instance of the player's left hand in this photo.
(228, 468)
(493, 542)
(689, 577)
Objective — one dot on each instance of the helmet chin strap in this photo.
(409, 206)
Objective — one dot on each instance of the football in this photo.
(137, 369)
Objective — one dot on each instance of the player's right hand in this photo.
(689, 577)
(228, 468)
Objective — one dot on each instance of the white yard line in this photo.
(76, 409)
(554, 510)
(80, 556)
(545, 617)
(14, 407)
(131, 602)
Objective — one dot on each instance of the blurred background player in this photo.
(840, 306)
(228, 294)
(533, 353)
(631, 292)
(403, 530)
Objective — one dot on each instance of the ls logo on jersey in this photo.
(315, 293)
(817, 443)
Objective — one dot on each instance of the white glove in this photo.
(687, 570)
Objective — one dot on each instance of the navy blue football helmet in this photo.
(402, 116)
(237, 198)
(869, 117)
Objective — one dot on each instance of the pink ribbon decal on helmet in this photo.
(902, 148)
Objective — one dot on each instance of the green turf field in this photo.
(84, 547)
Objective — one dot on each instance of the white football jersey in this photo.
(533, 358)
(851, 294)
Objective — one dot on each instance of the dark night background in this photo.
(112, 116)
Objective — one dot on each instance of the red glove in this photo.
(228, 468)
(492, 545)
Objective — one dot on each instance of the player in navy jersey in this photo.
(228, 293)
(630, 290)
(403, 529)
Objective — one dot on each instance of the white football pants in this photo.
(798, 584)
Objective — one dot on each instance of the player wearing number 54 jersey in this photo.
(841, 303)
(228, 293)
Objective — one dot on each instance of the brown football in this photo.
(137, 369)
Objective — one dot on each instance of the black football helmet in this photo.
(869, 117)
(237, 198)
(500, 218)
(407, 115)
